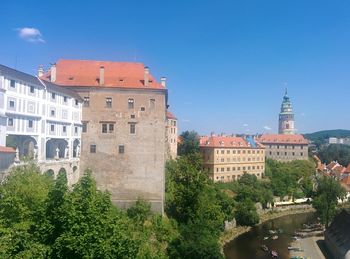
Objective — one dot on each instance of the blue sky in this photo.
(227, 62)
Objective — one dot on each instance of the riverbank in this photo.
(231, 234)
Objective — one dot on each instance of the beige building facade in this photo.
(124, 116)
(171, 136)
(226, 159)
(285, 147)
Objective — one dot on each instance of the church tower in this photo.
(286, 116)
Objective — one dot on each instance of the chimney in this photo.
(53, 73)
(146, 75)
(102, 75)
(163, 81)
(40, 71)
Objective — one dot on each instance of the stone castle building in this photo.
(123, 133)
(227, 158)
(285, 147)
(171, 136)
(41, 121)
(286, 117)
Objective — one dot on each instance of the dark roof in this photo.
(13, 73)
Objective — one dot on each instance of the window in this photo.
(301, 147)
(152, 103)
(132, 116)
(65, 99)
(111, 128)
(143, 109)
(30, 124)
(84, 128)
(301, 153)
(32, 89)
(52, 113)
(108, 102)
(132, 128)
(75, 130)
(285, 153)
(228, 169)
(270, 153)
(52, 127)
(227, 151)
(92, 148)
(222, 160)
(64, 129)
(131, 103)
(10, 122)
(278, 153)
(121, 149)
(76, 102)
(12, 104)
(222, 151)
(222, 169)
(86, 101)
(53, 96)
(13, 83)
(107, 127)
(293, 153)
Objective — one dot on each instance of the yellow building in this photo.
(228, 158)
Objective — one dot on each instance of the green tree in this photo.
(92, 226)
(335, 152)
(22, 209)
(326, 198)
(189, 143)
(246, 214)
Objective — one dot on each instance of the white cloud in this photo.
(245, 125)
(267, 127)
(30, 34)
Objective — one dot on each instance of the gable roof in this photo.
(169, 115)
(80, 73)
(282, 139)
(33, 80)
(225, 142)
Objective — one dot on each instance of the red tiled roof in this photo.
(169, 115)
(282, 139)
(228, 142)
(87, 73)
(346, 180)
(332, 165)
(7, 149)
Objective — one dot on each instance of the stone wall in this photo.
(138, 172)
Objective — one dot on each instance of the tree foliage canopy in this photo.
(189, 143)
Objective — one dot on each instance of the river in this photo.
(248, 245)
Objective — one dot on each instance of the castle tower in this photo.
(286, 116)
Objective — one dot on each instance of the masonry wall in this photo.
(229, 164)
(286, 152)
(139, 171)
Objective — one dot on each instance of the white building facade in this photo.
(41, 120)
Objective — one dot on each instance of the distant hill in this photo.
(326, 134)
(321, 137)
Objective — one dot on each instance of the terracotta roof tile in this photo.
(282, 139)
(225, 142)
(7, 149)
(169, 115)
(87, 73)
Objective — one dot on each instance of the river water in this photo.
(248, 245)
